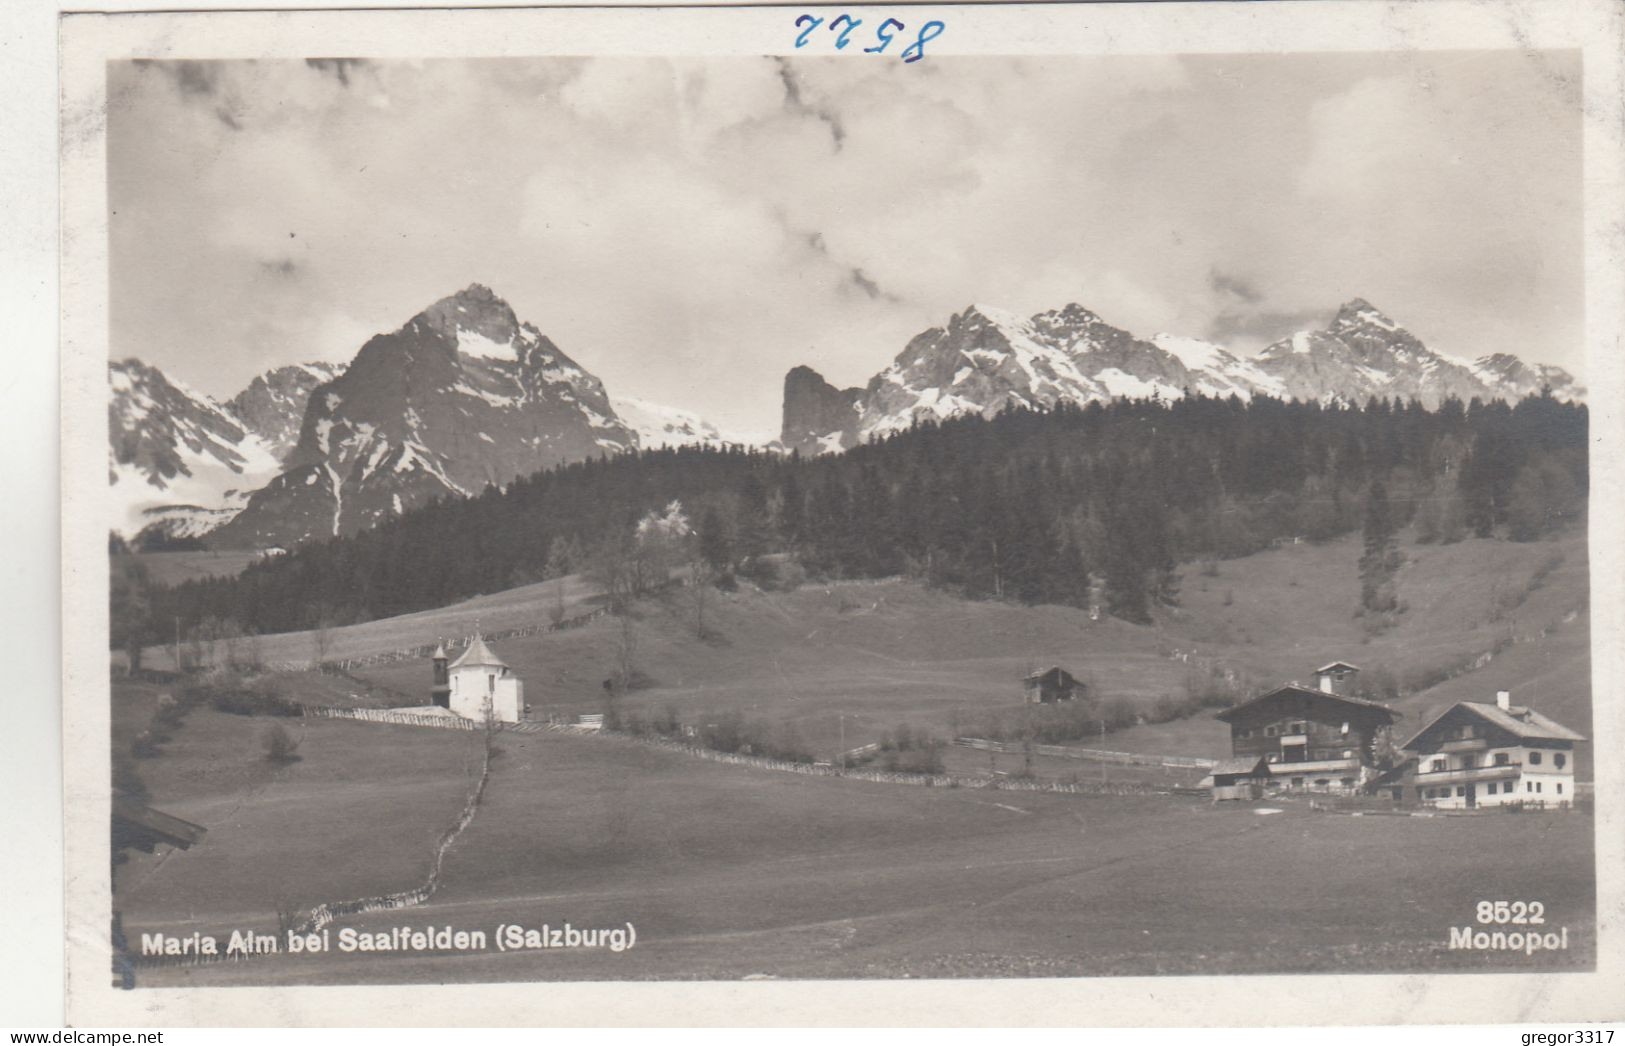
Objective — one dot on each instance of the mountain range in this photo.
(465, 395)
(986, 359)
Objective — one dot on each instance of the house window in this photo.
(1270, 731)
(1492, 788)
(1529, 786)
(1502, 759)
(1321, 782)
(1560, 788)
(1461, 790)
(1297, 728)
(1297, 782)
(1559, 760)
(1440, 764)
(1346, 782)
(1534, 758)
(1538, 786)
(1244, 733)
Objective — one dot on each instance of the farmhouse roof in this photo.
(1041, 673)
(440, 650)
(143, 827)
(479, 654)
(1336, 664)
(1519, 721)
(1240, 765)
(1293, 688)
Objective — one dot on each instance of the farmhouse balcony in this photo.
(1294, 739)
(1466, 744)
(1473, 774)
(1313, 766)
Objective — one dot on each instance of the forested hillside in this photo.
(1025, 506)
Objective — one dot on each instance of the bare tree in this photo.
(626, 655)
(702, 576)
(321, 633)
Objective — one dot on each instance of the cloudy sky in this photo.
(689, 230)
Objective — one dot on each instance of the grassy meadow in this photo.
(729, 871)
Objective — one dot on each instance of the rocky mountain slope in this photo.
(986, 359)
(179, 462)
(462, 396)
(273, 404)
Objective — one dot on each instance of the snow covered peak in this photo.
(988, 358)
(1192, 352)
(660, 426)
(481, 323)
(990, 315)
(1357, 312)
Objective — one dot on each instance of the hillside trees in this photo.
(1379, 563)
(130, 598)
(1542, 498)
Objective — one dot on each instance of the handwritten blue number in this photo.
(801, 41)
(884, 37)
(916, 50)
(851, 24)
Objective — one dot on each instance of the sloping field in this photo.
(357, 814)
(172, 568)
(849, 661)
(511, 608)
(727, 872)
(1281, 613)
(875, 654)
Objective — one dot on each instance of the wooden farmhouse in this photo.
(1475, 754)
(478, 680)
(1050, 686)
(1316, 739)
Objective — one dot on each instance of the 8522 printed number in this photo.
(1517, 913)
(844, 26)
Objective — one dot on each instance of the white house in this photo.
(479, 677)
(1474, 755)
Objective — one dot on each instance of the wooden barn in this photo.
(1317, 739)
(1050, 686)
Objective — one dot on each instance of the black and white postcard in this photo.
(1099, 512)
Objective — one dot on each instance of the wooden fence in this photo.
(390, 715)
(1178, 762)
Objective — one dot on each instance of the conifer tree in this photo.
(1380, 560)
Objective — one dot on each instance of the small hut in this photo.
(1051, 686)
(1241, 777)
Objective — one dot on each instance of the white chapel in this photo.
(477, 677)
